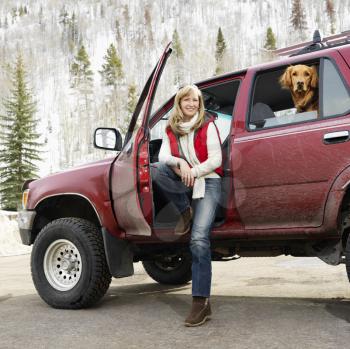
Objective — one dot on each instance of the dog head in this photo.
(299, 78)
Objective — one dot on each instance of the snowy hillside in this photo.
(139, 30)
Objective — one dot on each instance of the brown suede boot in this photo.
(200, 312)
(184, 224)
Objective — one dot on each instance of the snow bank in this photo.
(10, 241)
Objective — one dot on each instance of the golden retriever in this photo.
(302, 81)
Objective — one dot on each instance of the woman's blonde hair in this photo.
(177, 115)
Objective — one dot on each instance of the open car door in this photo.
(130, 173)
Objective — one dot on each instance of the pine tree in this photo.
(117, 31)
(112, 75)
(13, 14)
(298, 18)
(81, 120)
(148, 24)
(178, 57)
(132, 99)
(126, 15)
(178, 52)
(19, 141)
(270, 43)
(73, 34)
(220, 52)
(130, 107)
(81, 74)
(64, 16)
(21, 11)
(112, 69)
(331, 14)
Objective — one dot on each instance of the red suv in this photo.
(286, 184)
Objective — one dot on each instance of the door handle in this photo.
(336, 137)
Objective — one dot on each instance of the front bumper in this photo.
(25, 221)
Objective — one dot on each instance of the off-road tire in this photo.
(93, 278)
(175, 272)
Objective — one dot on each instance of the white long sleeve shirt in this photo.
(207, 168)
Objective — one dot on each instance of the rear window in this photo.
(276, 103)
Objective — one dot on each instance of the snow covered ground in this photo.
(10, 242)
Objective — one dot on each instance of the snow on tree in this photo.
(19, 142)
(220, 52)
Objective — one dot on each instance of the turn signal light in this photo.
(25, 195)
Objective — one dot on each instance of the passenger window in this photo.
(336, 99)
(279, 96)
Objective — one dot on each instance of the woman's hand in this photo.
(176, 170)
(186, 174)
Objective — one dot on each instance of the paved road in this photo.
(279, 302)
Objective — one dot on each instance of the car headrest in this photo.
(261, 112)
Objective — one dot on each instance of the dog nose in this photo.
(300, 83)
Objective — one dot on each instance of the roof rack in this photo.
(316, 44)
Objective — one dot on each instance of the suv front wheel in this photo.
(170, 269)
(68, 263)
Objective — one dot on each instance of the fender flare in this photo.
(335, 197)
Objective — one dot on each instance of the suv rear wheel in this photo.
(68, 262)
(170, 269)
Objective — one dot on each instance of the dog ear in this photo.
(314, 77)
(285, 79)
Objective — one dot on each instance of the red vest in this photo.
(200, 142)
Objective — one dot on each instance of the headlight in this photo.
(25, 195)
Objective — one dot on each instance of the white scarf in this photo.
(187, 147)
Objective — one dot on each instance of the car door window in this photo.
(272, 103)
(336, 99)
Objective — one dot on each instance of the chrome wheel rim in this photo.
(62, 265)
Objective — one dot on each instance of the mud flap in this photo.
(119, 255)
(329, 252)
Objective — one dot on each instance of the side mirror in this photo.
(108, 138)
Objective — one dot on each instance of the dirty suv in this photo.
(286, 183)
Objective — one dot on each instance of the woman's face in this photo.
(189, 105)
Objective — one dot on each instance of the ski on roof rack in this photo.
(316, 44)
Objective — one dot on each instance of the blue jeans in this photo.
(203, 218)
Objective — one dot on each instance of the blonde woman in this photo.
(190, 160)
